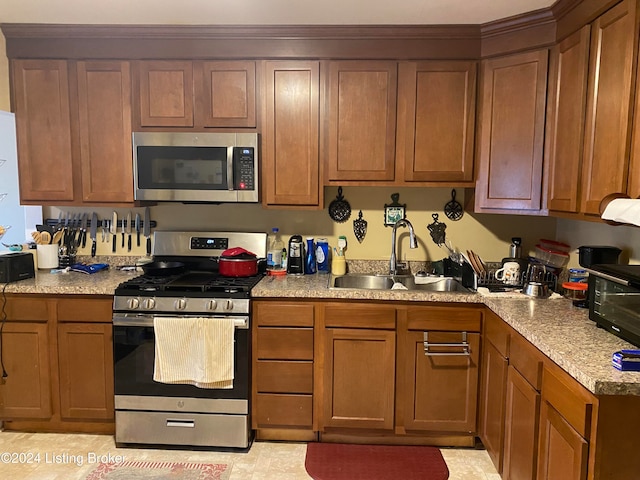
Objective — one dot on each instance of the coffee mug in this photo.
(509, 273)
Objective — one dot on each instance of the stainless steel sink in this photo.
(385, 282)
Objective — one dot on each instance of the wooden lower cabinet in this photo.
(60, 367)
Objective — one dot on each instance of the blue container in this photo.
(310, 259)
(322, 255)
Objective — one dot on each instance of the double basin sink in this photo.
(387, 282)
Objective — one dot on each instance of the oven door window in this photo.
(134, 354)
(619, 305)
(182, 168)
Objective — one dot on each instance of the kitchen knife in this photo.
(83, 230)
(129, 231)
(146, 229)
(138, 229)
(124, 226)
(114, 230)
(94, 233)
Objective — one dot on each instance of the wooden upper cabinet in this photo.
(166, 93)
(565, 125)
(198, 94)
(43, 127)
(511, 138)
(607, 132)
(290, 140)
(104, 109)
(225, 94)
(361, 116)
(436, 120)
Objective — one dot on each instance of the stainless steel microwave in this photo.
(614, 299)
(195, 167)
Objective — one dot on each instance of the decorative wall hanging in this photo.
(339, 208)
(394, 211)
(453, 210)
(437, 230)
(360, 227)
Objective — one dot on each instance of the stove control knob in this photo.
(228, 305)
(133, 303)
(212, 305)
(181, 304)
(149, 303)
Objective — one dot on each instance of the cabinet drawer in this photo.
(569, 398)
(28, 308)
(283, 314)
(284, 377)
(360, 316)
(283, 410)
(85, 310)
(285, 343)
(527, 360)
(454, 319)
(497, 332)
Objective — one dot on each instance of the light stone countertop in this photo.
(561, 331)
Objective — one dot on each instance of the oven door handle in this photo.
(147, 321)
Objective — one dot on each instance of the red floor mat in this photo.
(337, 461)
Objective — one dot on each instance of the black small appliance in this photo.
(16, 266)
(295, 257)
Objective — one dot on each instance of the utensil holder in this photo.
(47, 256)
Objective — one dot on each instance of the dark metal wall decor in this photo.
(360, 227)
(437, 230)
(339, 208)
(453, 210)
(394, 211)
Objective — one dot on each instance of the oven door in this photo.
(134, 354)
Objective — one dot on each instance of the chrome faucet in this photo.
(413, 243)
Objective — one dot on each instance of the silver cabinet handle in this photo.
(464, 345)
(181, 423)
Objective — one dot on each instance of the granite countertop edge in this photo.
(559, 330)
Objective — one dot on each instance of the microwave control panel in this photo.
(244, 171)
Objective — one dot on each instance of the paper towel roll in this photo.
(623, 210)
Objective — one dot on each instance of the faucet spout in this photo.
(413, 243)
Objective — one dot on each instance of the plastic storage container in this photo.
(554, 258)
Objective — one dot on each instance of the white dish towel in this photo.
(196, 351)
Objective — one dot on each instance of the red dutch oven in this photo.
(238, 262)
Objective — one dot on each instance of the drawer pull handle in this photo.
(181, 423)
(464, 345)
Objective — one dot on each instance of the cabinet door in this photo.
(443, 393)
(43, 126)
(26, 392)
(290, 158)
(166, 93)
(521, 428)
(607, 123)
(226, 93)
(359, 378)
(104, 107)
(511, 140)
(436, 120)
(361, 113)
(562, 450)
(492, 402)
(565, 125)
(85, 357)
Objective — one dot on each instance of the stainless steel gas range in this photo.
(154, 413)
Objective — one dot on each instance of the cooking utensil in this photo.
(536, 289)
(163, 268)
(146, 229)
(360, 227)
(475, 258)
(128, 228)
(37, 237)
(339, 208)
(238, 262)
(138, 229)
(114, 230)
(453, 210)
(45, 238)
(57, 237)
(93, 233)
(123, 230)
(83, 230)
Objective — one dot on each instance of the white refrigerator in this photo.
(21, 219)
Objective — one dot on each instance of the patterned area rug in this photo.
(336, 461)
(160, 471)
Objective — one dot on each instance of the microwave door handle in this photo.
(230, 182)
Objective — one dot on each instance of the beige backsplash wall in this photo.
(4, 76)
(488, 235)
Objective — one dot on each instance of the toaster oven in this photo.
(614, 299)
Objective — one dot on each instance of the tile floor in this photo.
(264, 461)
